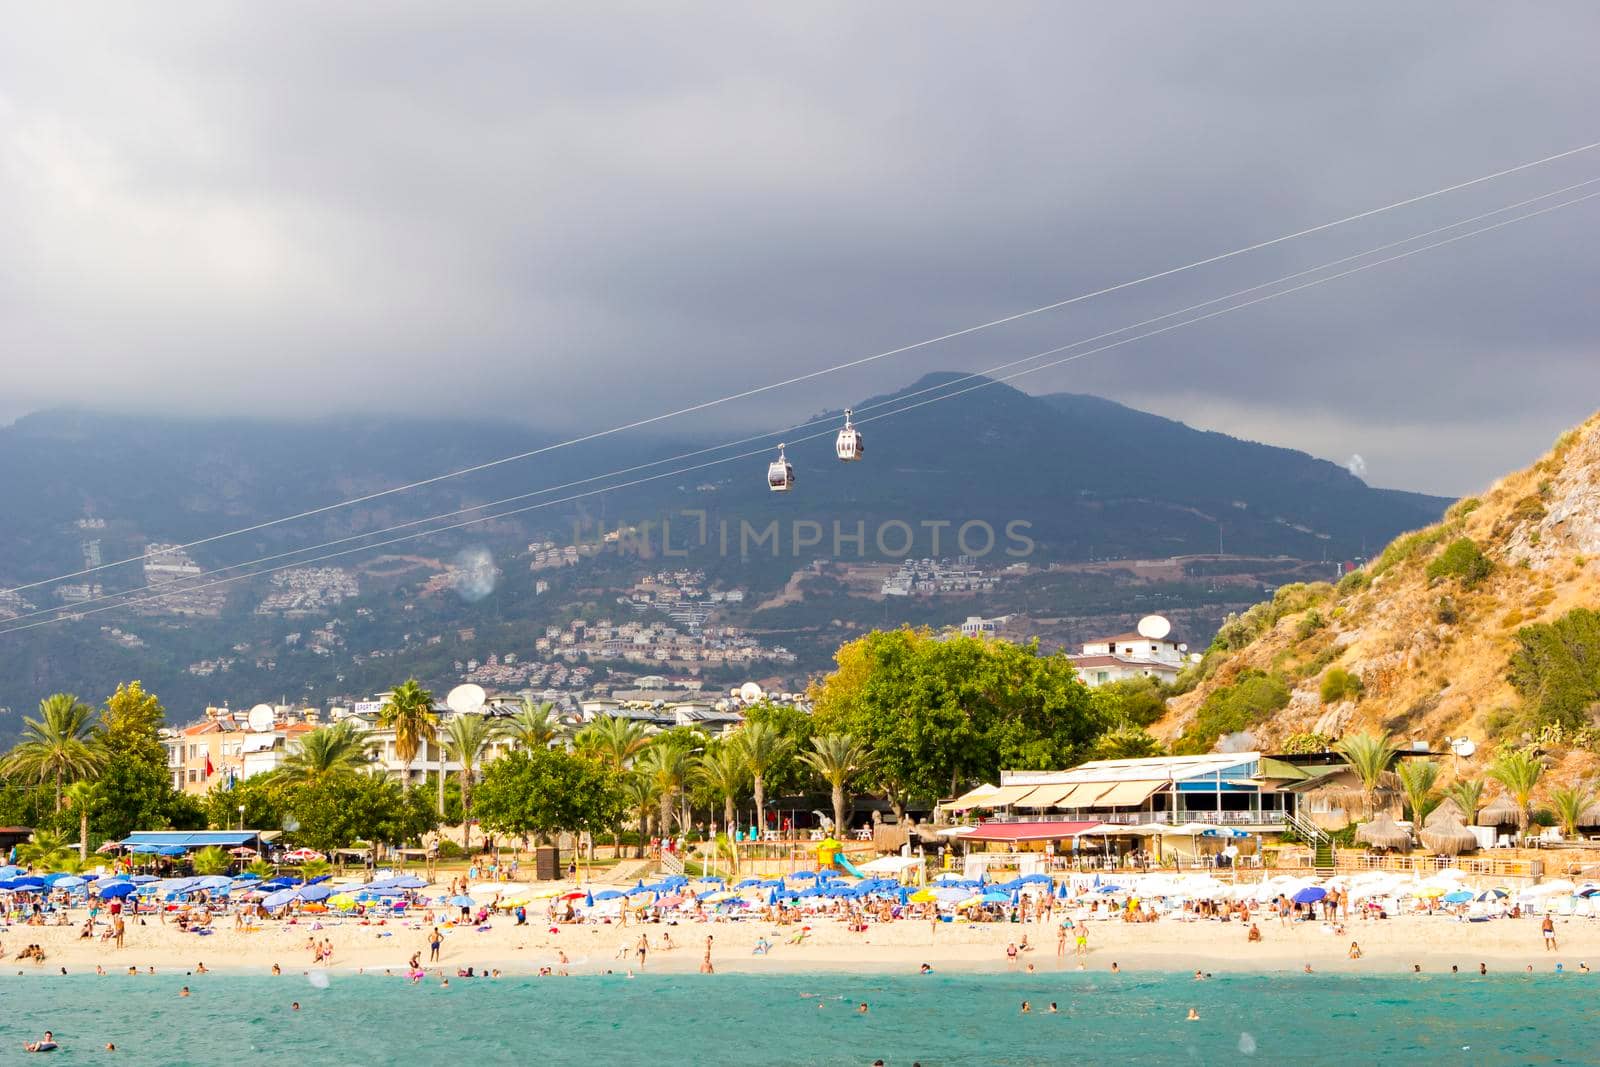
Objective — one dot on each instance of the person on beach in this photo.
(642, 949)
(1355, 951)
(705, 964)
(435, 941)
(1548, 929)
(1082, 931)
(1255, 933)
(1061, 941)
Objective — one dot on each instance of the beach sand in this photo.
(1392, 945)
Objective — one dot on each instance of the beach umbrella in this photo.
(1446, 810)
(1381, 831)
(115, 890)
(609, 894)
(142, 879)
(243, 850)
(1448, 837)
(461, 901)
(588, 900)
(69, 881)
(1428, 891)
(1309, 895)
(246, 877)
(278, 899)
(315, 892)
(1459, 896)
(171, 850)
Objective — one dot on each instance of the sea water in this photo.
(940, 1018)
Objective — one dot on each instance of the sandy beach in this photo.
(1392, 945)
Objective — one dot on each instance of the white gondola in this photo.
(849, 445)
(780, 473)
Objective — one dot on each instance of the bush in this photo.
(1354, 582)
(1408, 547)
(1463, 507)
(1306, 743)
(1338, 685)
(1556, 667)
(1252, 698)
(1463, 560)
(1309, 624)
(1445, 611)
(450, 850)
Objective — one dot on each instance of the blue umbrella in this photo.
(141, 879)
(115, 890)
(278, 899)
(607, 894)
(171, 850)
(316, 892)
(1460, 896)
(995, 897)
(69, 881)
(1309, 895)
(588, 900)
(748, 882)
(462, 901)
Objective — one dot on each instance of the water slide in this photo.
(849, 868)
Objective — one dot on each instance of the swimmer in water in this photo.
(1027, 1009)
(183, 992)
(926, 969)
(294, 1006)
(862, 1008)
(47, 1043)
(1053, 1009)
(1193, 1016)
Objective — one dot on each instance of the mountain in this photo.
(1056, 481)
(1477, 626)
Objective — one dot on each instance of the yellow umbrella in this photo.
(1429, 891)
(344, 901)
(712, 898)
(922, 896)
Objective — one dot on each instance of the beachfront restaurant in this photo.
(1145, 811)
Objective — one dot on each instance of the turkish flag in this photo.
(210, 770)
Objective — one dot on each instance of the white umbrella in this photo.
(488, 890)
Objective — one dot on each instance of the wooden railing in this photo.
(1428, 865)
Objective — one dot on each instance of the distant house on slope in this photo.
(1130, 655)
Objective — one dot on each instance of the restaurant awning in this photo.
(1049, 796)
(1126, 794)
(974, 798)
(1008, 795)
(1029, 831)
(1085, 793)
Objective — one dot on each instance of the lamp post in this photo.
(241, 817)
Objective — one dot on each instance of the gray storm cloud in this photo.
(475, 208)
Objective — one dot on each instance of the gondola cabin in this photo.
(780, 473)
(849, 446)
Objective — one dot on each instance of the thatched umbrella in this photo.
(1502, 811)
(1448, 837)
(1381, 831)
(1446, 811)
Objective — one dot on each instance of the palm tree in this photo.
(1417, 778)
(1519, 771)
(1369, 756)
(669, 767)
(465, 739)
(260, 868)
(763, 748)
(409, 712)
(58, 745)
(613, 740)
(1468, 795)
(535, 725)
(210, 860)
(1569, 805)
(640, 790)
(80, 798)
(838, 758)
(326, 753)
(48, 850)
(721, 770)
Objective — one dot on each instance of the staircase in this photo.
(671, 863)
(1321, 844)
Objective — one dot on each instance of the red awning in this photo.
(1028, 831)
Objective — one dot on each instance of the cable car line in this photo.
(64, 613)
(704, 405)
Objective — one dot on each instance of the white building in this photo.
(1130, 655)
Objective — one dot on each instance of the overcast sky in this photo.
(582, 213)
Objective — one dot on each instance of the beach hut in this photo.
(1448, 837)
(1502, 811)
(1381, 831)
(1447, 810)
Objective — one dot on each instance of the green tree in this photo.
(535, 725)
(80, 799)
(1556, 667)
(1519, 771)
(837, 759)
(639, 800)
(1137, 702)
(1569, 803)
(330, 751)
(613, 740)
(1468, 795)
(409, 713)
(1417, 778)
(47, 851)
(761, 747)
(1127, 742)
(338, 812)
(1369, 756)
(538, 792)
(1339, 685)
(210, 860)
(722, 771)
(264, 797)
(58, 746)
(134, 790)
(669, 764)
(466, 739)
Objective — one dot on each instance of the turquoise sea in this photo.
(802, 1019)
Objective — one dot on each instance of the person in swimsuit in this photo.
(47, 1043)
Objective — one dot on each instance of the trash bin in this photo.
(547, 863)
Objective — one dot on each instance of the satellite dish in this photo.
(1183, 648)
(750, 692)
(260, 719)
(1155, 627)
(466, 699)
(1462, 746)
